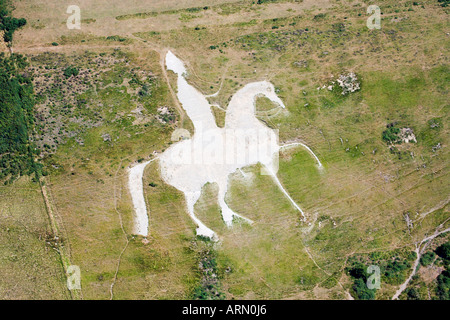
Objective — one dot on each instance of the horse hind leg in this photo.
(227, 213)
(202, 230)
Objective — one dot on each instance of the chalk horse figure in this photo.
(213, 153)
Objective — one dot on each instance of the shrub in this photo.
(116, 38)
(444, 3)
(427, 258)
(71, 71)
(443, 286)
(412, 294)
(391, 134)
(444, 251)
(361, 290)
(9, 24)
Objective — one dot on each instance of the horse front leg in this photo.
(274, 176)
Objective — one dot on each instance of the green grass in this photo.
(30, 266)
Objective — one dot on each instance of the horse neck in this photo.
(243, 103)
(196, 106)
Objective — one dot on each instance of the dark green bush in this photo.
(427, 258)
(391, 134)
(7, 23)
(444, 3)
(361, 290)
(71, 71)
(116, 38)
(444, 251)
(359, 274)
(443, 286)
(394, 271)
(412, 294)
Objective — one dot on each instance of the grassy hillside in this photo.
(99, 93)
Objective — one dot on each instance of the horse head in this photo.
(241, 109)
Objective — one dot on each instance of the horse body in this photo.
(213, 153)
